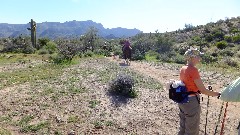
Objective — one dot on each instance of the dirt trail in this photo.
(164, 72)
(150, 113)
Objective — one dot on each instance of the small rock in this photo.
(71, 132)
(58, 119)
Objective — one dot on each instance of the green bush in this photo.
(226, 52)
(164, 58)
(206, 58)
(123, 85)
(228, 38)
(18, 48)
(28, 49)
(179, 59)
(151, 55)
(209, 37)
(218, 34)
(51, 47)
(102, 52)
(221, 44)
(42, 42)
(117, 52)
(236, 39)
(137, 55)
(99, 52)
(59, 59)
(88, 54)
(42, 51)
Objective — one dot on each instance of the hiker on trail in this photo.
(127, 51)
(190, 111)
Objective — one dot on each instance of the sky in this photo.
(145, 15)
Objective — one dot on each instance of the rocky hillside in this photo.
(218, 40)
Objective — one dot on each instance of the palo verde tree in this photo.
(90, 37)
(163, 43)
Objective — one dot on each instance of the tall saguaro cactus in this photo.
(33, 33)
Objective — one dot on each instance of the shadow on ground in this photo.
(118, 100)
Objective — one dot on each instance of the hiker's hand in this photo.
(219, 95)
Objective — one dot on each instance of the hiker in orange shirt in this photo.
(190, 111)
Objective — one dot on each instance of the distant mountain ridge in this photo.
(65, 30)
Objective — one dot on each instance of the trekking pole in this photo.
(238, 128)
(219, 117)
(225, 114)
(209, 88)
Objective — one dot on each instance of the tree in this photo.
(188, 27)
(163, 44)
(90, 38)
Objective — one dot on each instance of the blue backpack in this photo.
(179, 94)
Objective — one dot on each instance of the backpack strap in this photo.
(198, 99)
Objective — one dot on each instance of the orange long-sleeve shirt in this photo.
(188, 74)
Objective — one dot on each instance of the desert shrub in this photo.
(137, 55)
(221, 44)
(42, 51)
(179, 59)
(229, 61)
(236, 39)
(209, 37)
(218, 34)
(163, 44)
(42, 42)
(226, 52)
(68, 51)
(17, 45)
(59, 59)
(88, 54)
(228, 38)
(206, 58)
(102, 52)
(214, 54)
(117, 52)
(188, 27)
(231, 45)
(238, 54)
(171, 56)
(181, 49)
(28, 49)
(51, 47)
(117, 49)
(164, 58)
(18, 48)
(151, 55)
(123, 85)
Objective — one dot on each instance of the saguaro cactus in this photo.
(33, 33)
